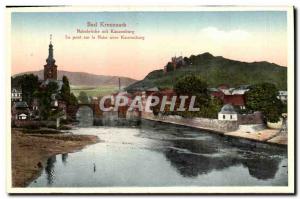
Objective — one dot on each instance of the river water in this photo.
(156, 154)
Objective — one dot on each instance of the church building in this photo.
(50, 69)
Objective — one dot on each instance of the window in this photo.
(223, 117)
(231, 117)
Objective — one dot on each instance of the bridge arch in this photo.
(85, 115)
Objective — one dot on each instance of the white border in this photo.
(218, 189)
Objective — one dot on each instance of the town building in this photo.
(282, 95)
(16, 94)
(235, 100)
(228, 113)
(20, 111)
(50, 69)
(233, 96)
(176, 62)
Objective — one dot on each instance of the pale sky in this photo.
(246, 36)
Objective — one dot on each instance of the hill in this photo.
(87, 79)
(217, 70)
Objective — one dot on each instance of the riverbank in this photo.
(31, 151)
(271, 136)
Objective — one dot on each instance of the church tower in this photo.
(50, 69)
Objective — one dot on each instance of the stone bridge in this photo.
(72, 110)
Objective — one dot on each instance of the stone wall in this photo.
(254, 118)
(33, 123)
(201, 123)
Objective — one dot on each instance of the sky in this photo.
(240, 35)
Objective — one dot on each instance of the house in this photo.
(16, 94)
(228, 113)
(22, 116)
(152, 90)
(20, 111)
(233, 96)
(215, 92)
(223, 86)
(35, 110)
(60, 105)
(282, 95)
(227, 91)
(235, 100)
(239, 91)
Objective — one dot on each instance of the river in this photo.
(156, 154)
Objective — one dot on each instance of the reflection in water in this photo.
(158, 154)
(94, 167)
(262, 167)
(193, 157)
(191, 165)
(50, 169)
(64, 158)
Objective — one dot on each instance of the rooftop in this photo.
(228, 109)
(21, 105)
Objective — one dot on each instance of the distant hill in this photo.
(87, 79)
(217, 70)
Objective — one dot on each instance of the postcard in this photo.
(152, 100)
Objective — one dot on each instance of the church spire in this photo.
(50, 69)
(50, 59)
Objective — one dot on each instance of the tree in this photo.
(65, 89)
(83, 98)
(45, 98)
(193, 85)
(29, 84)
(73, 99)
(214, 108)
(263, 97)
(66, 94)
(52, 88)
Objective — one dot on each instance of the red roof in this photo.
(223, 86)
(218, 94)
(235, 100)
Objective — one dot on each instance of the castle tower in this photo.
(50, 69)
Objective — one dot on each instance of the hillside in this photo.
(87, 79)
(216, 71)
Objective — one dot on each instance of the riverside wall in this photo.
(201, 123)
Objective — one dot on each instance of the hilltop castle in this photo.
(176, 62)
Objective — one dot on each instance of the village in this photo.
(228, 116)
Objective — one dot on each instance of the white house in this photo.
(22, 116)
(227, 113)
(282, 95)
(16, 95)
